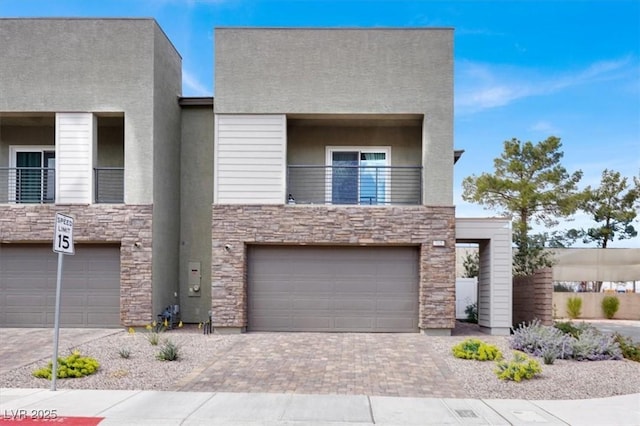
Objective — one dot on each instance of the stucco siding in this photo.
(196, 198)
(346, 71)
(250, 159)
(307, 144)
(333, 70)
(88, 65)
(167, 80)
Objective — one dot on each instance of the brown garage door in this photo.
(350, 289)
(90, 286)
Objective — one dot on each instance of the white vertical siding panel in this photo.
(250, 159)
(75, 140)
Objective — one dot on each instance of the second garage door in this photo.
(90, 286)
(348, 289)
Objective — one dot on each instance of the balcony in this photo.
(109, 185)
(355, 185)
(35, 185)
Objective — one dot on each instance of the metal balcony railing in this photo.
(27, 185)
(109, 185)
(355, 185)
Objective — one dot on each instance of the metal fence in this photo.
(355, 185)
(27, 185)
(109, 185)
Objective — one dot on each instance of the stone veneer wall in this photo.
(239, 225)
(533, 297)
(96, 223)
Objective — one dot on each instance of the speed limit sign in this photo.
(63, 234)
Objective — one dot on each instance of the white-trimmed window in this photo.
(358, 175)
(32, 174)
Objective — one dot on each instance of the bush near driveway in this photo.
(540, 340)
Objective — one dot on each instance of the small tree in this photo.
(471, 264)
(530, 184)
(613, 206)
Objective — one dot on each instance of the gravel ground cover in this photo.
(562, 380)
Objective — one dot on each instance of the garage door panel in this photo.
(17, 302)
(333, 288)
(90, 282)
(391, 324)
(303, 304)
(348, 323)
(103, 318)
(23, 319)
(309, 323)
(395, 305)
(102, 300)
(69, 301)
(353, 304)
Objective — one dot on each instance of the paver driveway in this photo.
(327, 363)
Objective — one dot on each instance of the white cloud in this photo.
(482, 86)
(193, 87)
(545, 127)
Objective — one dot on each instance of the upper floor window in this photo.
(358, 175)
(32, 174)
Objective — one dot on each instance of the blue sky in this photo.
(524, 69)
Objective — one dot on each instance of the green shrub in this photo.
(630, 349)
(610, 305)
(476, 349)
(472, 313)
(567, 327)
(124, 353)
(520, 367)
(574, 307)
(561, 288)
(168, 351)
(72, 366)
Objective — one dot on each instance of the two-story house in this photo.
(89, 125)
(314, 194)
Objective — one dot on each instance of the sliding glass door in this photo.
(359, 176)
(35, 176)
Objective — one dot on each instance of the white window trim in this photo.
(329, 150)
(13, 161)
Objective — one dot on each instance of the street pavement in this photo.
(626, 328)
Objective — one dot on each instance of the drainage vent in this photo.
(466, 413)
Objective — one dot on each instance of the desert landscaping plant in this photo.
(589, 345)
(574, 307)
(72, 366)
(472, 313)
(595, 346)
(537, 339)
(168, 351)
(124, 353)
(476, 349)
(568, 327)
(518, 368)
(610, 305)
(630, 349)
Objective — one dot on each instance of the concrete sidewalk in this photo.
(204, 408)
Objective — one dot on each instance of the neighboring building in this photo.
(316, 195)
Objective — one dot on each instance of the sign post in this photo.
(63, 245)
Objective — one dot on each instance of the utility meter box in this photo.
(195, 278)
